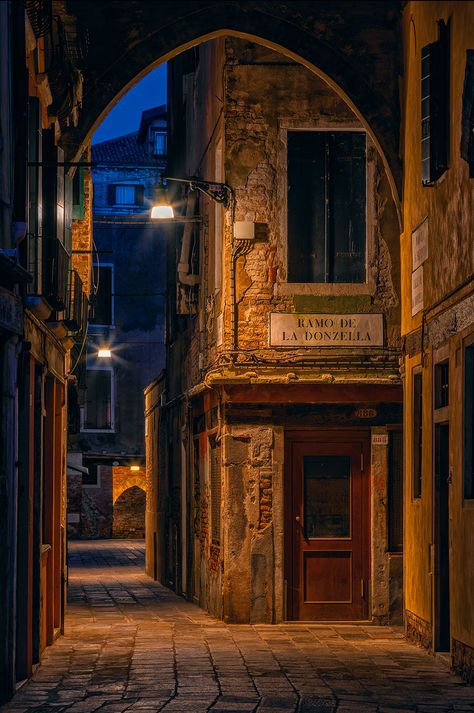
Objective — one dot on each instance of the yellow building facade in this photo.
(437, 264)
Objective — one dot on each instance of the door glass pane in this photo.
(327, 496)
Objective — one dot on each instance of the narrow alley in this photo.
(130, 644)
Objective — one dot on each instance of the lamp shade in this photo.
(160, 211)
(161, 208)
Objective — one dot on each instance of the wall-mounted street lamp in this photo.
(162, 209)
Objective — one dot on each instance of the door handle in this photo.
(297, 518)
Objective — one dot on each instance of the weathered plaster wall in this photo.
(251, 571)
(418, 512)
(256, 94)
(265, 95)
(448, 206)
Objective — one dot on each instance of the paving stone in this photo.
(131, 645)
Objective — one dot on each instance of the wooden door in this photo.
(442, 638)
(327, 524)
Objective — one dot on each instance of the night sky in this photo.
(125, 116)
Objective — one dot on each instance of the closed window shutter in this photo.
(435, 107)
(326, 206)
(467, 124)
(139, 195)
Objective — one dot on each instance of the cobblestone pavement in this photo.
(132, 645)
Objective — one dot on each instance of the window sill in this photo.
(322, 288)
(97, 430)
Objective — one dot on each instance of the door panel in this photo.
(441, 539)
(327, 520)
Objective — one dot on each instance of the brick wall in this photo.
(82, 233)
(129, 514)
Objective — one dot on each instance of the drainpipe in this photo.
(184, 276)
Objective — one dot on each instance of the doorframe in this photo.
(440, 417)
(328, 434)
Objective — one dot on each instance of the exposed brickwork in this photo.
(204, 522)
(129, 514)
(463, 660)
(265, 498)
(96, 510)
(214, 559)
(124, 478)
(74, 503)
(418, 630)
(82, 233)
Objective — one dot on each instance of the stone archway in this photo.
(353, 46)
(129, 514)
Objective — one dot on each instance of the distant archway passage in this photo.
(354, 46)
(129, 514)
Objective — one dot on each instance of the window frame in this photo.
(127, 184)
(112, 402)
(97, 484)
(97, 325)
(159, 132)
(283, 287)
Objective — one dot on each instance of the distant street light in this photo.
(104, 354)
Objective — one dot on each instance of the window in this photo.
(215, 484)
(469, 422)
(435, 107)
(159, 143)
(92, 479)
(78, 194)
(417, 412)
(395, 492)
(442, 384)
(327, 206)
(99, 404)
(467, 125)
(126, 194)
(103, 312)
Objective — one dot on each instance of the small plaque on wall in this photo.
(419, 245)
(417, 291)
(365, 413)
(325, 330)
(380, 439)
